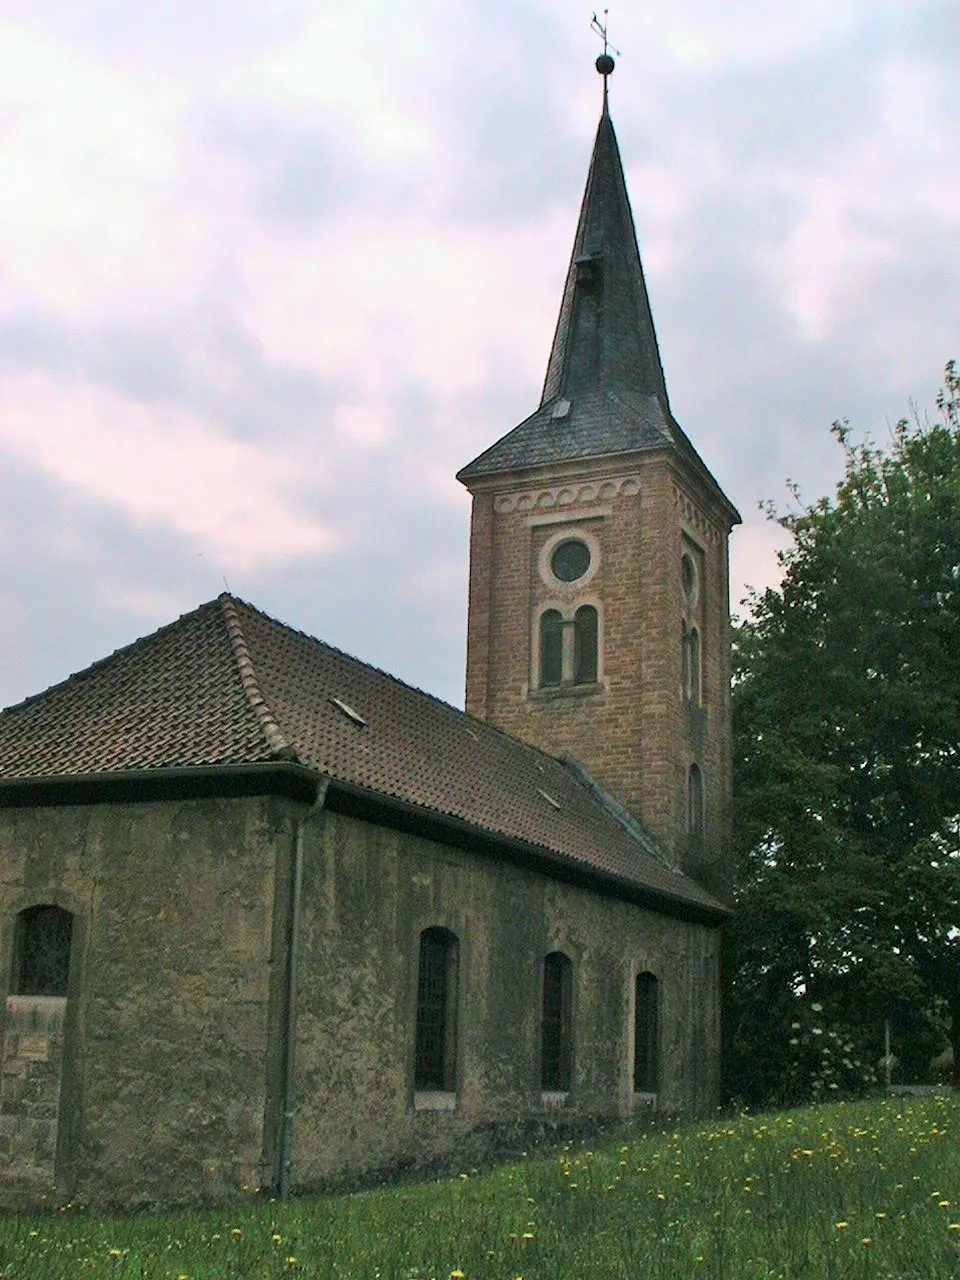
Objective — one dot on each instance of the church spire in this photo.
(605, 335)
(604, 394)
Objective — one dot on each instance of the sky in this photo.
(272, 272)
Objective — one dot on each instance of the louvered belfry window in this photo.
(42, 951)
(436, 1047)
(556, 1028)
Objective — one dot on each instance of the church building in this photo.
(272, 919)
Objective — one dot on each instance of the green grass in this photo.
(857, 1190)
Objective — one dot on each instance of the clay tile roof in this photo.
(228, 685)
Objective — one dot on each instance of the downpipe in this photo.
(293, 957)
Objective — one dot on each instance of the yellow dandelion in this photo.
(842, 1226)
(880, 1216)
(457, 1275)
(954, 1226)
(115, 1253)
(527, 1235)
(866, 1241)
(276, 1238)
(292, 1262)
(944, 1204)
(236, 1232)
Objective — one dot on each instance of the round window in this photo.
(570, 560)
(688, 577)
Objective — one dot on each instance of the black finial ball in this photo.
(605, 64)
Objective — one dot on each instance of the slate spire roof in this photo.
(228, 686)
(604, 392)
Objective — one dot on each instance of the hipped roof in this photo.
(226, 685)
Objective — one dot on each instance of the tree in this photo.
(846, 714)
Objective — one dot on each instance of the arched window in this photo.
(42, 951)
(435, 1059)
(695, 807)
(646, 1034)
(551, 648)
(694, 666)
(556, 1052)
(585, 645)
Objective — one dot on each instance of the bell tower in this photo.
(598, 624)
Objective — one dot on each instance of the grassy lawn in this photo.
(857, 1190)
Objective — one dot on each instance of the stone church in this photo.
(271, 918)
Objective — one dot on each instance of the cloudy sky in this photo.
(270, 273)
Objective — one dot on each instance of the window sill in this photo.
(430, 1100)
(554, 1098)
(553, 691)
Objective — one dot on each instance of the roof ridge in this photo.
(280, 748)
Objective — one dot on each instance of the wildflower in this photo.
(842, 1226)
(236, 1233)
(527, 1235)
(277, 1239)
(954, 1226)
(944, 1204)
(817, 1008)
(880, 1216)
(292, 1263)
(115, 1253)
(457, 1275)
(866, 1242)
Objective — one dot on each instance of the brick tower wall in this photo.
(634, 731)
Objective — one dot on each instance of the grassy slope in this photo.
(856, 1190)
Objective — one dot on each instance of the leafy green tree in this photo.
(846, 713)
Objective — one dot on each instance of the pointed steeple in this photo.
(604, 393)
(605, 335)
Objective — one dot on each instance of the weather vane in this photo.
(605, 63)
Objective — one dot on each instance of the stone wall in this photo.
(171, 1034)
(368, 893)
(31, 1061)
(178, 972)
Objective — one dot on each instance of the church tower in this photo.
(598, 623)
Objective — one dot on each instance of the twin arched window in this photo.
(573, 660)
